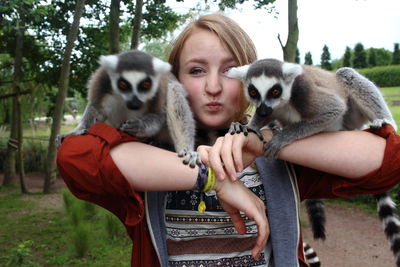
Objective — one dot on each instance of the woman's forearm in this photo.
(350, 154)
(148, 168)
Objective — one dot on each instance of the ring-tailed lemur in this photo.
(311, 256)
(138, 94)
(306, 100)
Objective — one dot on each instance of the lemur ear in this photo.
(161, 66)
(109, 62)
(291, 70)
(238, 72)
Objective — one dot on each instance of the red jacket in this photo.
(88, 170)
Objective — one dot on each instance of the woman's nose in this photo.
(213, 86)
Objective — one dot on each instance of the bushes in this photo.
(35, 153)
(384, 76)
(83, 229)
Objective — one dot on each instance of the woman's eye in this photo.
(196, 71)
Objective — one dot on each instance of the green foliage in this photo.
(359, 57)
(113, 226)
(21, 254)
(396, 55)
(383, 76)
(326, 58)
(23, 219)
(347, 57)
(157, 48)
(34, 154)
(297, 57)
(371, 57)
(81, 239)
(308, 59)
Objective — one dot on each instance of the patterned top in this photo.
(197, 239)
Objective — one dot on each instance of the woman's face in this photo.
(213, 97)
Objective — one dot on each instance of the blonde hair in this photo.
(232, 36)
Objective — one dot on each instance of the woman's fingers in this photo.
(204, 154)
(226, 156)
(215, 159)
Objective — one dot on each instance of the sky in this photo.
(335, 23)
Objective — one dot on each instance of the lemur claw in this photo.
(191, 158)
(60, 137)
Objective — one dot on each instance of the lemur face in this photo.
(267, 83)
(135, 88)
(264, 93)
(135, 76)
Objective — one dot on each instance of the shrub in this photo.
(383, 76)
(35, 153)
(81, 239)
(113, 226)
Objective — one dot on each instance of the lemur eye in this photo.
(123, 85)
(145, 85)
(253, 92)
(275, 91)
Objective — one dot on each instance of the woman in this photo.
(166, 228)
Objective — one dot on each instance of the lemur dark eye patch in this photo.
(124, 85)
(275, 91)
(253, 92)
(145, 85)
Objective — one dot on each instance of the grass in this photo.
(31, 235)
(392, 97)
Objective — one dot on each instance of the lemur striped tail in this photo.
(391, 223)
(311, 256)
(316, 216)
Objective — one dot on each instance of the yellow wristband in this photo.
(211, 179)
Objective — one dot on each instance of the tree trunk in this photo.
(136, 24)
(289, 50)
(50, 170)
(17, 88)
(114, 26)
(15, 143)
(9, 164)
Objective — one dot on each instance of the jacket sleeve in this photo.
(88, 170)
(316, 184)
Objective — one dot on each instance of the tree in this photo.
(360, 57)
(308, 59)
(396, 55)
(289, 49)
(136, 24)
(18, 13)
(371, 57)
(326, 58)
(297, 58)
(114, 26)
(62, 91)
(347, 57)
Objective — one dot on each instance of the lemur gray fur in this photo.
(306, 100)
(137, 93)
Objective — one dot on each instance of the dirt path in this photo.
(354, 237)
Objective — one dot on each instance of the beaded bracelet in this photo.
(205, 182)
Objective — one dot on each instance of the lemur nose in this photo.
(263, 110)
(134, 103)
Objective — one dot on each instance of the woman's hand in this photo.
(235, 197)
(232, 153)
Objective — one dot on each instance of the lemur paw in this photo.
(133, 127)
(272, 148)
(237, 127)
(379, 123)
(347, 75)
(60, 137)
(191, 158)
